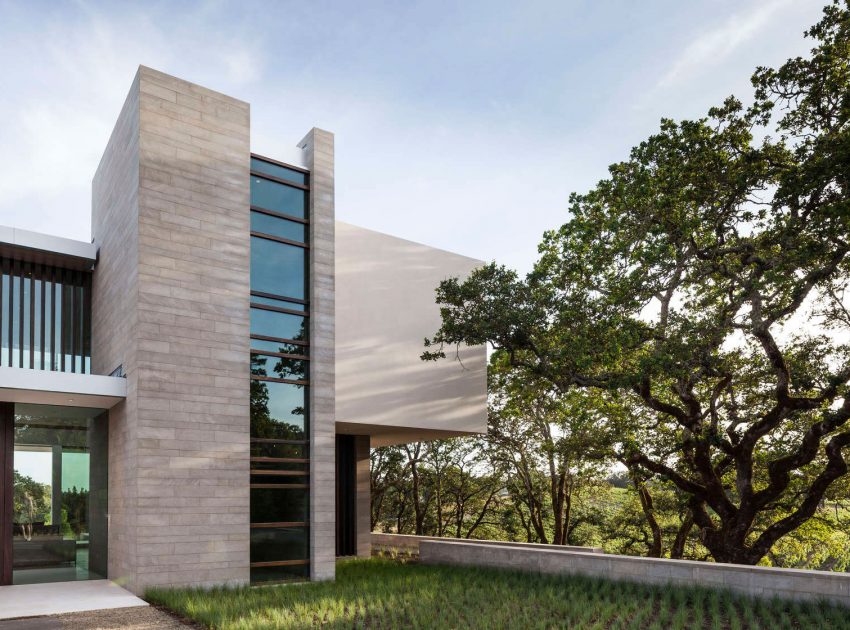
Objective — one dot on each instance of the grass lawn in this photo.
(384, 593)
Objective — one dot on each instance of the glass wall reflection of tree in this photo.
(59, 495)
(279, 373)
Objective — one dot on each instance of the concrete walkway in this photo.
(36, 600)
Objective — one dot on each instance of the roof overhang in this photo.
(46, 249)
(61, 388)
(384, 435)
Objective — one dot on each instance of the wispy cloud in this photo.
(70, 75)
(716, 45)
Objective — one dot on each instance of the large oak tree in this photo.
(704, 280)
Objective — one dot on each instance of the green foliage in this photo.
(75, 505)
(675, 292)
(380, 593)
(30, 503)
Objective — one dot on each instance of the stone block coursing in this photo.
(318, 148)
(170, 303)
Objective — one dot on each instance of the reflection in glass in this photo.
(286, 573)
(60, 494)
(278, 197)
(277, 410)
(279, 346)
(275, 324)
(278, 543)
(278, 367)
(277, 268)
(278, 505)
(276, 226)
(281, 172)
(278, 450)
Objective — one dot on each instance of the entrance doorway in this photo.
(54, 493)
(346, 475)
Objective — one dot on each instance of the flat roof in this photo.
(46, 249)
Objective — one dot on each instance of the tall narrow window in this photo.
(280, 374)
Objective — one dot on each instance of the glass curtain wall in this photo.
(45, 317)
(59, 522)
(279, 372)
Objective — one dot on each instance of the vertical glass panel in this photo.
(277, 410)
(278, 505)
(37, 324)
(276, 226)
(26, 321)
(278, 543)
(59, 500)
(277, 268)
(281, 172)
(280, 574)
(278, 197)
(5, 357)
(275, 324)
(67, 327)
(15, 296)
(48, 326)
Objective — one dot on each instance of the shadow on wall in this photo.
(385, 308)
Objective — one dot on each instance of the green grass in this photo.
(385, 593)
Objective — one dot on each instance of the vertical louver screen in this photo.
(45, 317)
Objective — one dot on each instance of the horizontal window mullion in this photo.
(279, 441)
(280, 486)
(275, 296)
(280, 460)
(272, 379)
(279, 525)
(280, 180)
(281, 340)
(281, 355)
(292, 167)
(278, 563)
(279, 215)
(279, 239)
(279, 309)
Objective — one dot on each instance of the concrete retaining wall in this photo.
(410, 543)
(756, 581)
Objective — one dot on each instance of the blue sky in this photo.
(460, 125)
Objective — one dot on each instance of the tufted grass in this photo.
(386, 593)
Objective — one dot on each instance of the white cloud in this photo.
(63, 87)
(714, 46)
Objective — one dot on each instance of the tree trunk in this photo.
(678, 548)
(654, 550)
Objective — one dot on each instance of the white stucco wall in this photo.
(384, 310)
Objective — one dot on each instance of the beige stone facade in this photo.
(318, 147)
(171, 309)
(171, 295)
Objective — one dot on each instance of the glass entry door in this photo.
(58, 492)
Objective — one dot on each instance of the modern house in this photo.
(190, 399)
